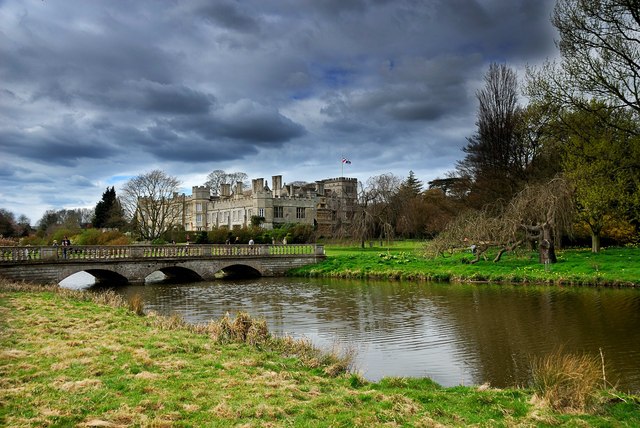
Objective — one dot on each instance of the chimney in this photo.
(276, 185)
(258, 185)
(239, 189)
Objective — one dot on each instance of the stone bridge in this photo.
(123, 264)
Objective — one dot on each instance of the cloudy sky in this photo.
(93, 93)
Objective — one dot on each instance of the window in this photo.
(198, 207)
(299, 212)
(260, 212)
(278, 212)
(198, 218)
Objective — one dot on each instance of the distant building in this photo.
(328, 205)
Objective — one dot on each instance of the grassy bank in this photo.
(405, 260)
(74, 359)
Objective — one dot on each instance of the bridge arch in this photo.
(178, 273)
(104, 276)
(239, 270)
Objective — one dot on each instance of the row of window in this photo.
(278, 212)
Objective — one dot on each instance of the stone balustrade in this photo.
(76, 253)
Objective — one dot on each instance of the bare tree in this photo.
(151, 202)
(374, 215)
(218, 177)
(215, 180)
(600, 57)
(545, 212)
(539, 214)
(495, 160)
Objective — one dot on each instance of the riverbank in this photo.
(406, 260)
(78, 359)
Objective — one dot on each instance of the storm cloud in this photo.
(92, 93)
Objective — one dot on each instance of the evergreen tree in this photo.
(411, 187)
(409, 206)
(109, 212)
(7, 223)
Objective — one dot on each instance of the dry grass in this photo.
(567, 382)
(136, 304)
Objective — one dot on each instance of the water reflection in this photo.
(455, 334)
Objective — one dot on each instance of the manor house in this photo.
(327, 204)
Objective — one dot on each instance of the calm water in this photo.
(454, 334)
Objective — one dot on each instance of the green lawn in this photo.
(67, 360)
(406, 260)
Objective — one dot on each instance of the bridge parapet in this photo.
(34, 254)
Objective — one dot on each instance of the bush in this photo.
(98, 237)
(202, 238)
(219, 235)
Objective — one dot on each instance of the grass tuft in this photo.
(136, 304)
(567, 382)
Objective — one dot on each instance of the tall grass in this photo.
(567, 382)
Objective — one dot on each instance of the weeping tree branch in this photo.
(538, 214)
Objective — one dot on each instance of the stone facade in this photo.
(328, 204)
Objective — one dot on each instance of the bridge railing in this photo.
(115, 252)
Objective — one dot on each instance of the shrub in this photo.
(567, 382)
(202, 238)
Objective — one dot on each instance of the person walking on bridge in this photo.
(65, 244)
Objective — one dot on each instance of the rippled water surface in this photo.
(454, 334)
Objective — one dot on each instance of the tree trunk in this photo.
(595, 242)
(546, 248)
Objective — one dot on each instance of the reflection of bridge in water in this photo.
(118, 264)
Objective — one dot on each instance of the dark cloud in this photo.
(92, 93)
(228, 15)
(244, 121)
(153, 97)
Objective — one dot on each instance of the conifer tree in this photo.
(108, 212)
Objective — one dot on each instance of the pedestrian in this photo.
(66, 243)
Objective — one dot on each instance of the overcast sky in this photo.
(93, 93)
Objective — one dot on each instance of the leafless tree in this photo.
(600, 57)
(373, 217)
(539, 214)
(152, 203)
(493, 160)
(218, 177)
